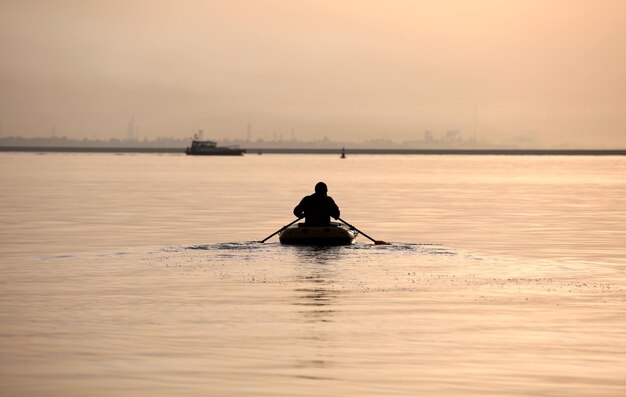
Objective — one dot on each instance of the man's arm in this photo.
(334, 210)
(299, 210)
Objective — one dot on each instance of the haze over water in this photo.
(531, 73)
(140, 275)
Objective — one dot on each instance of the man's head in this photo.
(321, 188)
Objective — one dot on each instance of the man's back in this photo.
(317, 208)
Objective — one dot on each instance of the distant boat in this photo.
(210, 148)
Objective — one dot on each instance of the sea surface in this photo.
(143, 274)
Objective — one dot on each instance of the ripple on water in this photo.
(435, 249)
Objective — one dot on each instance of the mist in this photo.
(545, 72)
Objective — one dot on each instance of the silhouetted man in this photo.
(317, 208)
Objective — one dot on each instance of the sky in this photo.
(538, 72)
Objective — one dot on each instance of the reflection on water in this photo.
(144, 276)
(314, 291)
(250, 318)
(318, 255)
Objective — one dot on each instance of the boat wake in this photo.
(424, 249)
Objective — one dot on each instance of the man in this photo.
(317, 208)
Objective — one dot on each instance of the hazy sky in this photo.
(551, 71)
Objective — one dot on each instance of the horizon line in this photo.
(356, 151)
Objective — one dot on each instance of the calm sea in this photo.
(125, 275)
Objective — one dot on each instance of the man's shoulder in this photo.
(307, 199)
(318, 198)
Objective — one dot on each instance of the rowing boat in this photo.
(334, 234)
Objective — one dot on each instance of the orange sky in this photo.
(545, 72)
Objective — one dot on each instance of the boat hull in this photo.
(215, 152)
(334, 234)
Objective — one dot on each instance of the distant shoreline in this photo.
(507, 152)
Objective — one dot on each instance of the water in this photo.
(140, 275)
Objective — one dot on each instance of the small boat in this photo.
(210, 148)
(334, 234)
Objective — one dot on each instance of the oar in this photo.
(278, 231)
(377, 242)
